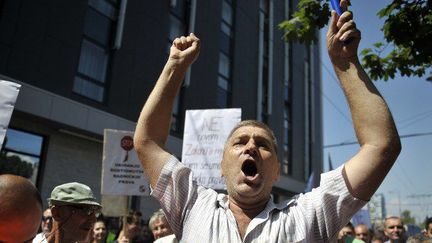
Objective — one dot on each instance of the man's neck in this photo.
(249, 209)
(244, 213)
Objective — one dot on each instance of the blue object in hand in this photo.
(336, 6)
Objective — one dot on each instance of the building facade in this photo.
(89, 65)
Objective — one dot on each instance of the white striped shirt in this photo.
(198, 214)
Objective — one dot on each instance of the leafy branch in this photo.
(407, 30)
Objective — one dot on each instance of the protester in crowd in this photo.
(362, 233)
(131, 229)
(419, 239)
(394, 229)
(74, 210)
(377, 239)
(160, 227)
(20, 209)
(347, 230)
(147, 234)
(99, 232)
(428, 227)
(378, 236)
(46, 225)
(250, 164)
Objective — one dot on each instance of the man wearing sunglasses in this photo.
(74, 210)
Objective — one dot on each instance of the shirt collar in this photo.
(222, 200)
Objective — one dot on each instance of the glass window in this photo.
(88, 89)
(104, 7)
(22, 154)
(176, 112)
(226, 28)
(179, 8)
(176, 28)
(224, 65)
(93, 61)
(97, 27)
(286, 124)
(222, 98)
(224, 83)
(225, 43)
(226, 12)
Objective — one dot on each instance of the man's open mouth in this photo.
(249, 168)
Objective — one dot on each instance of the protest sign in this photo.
(204, 137)
(8, 95)
(122, 173)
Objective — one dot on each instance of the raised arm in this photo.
(373, 122)
(153, 125)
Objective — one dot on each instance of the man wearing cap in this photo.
(74, 210)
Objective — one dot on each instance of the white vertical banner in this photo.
(8, 95)
(122, 173)
(205, 133)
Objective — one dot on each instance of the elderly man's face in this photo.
(393, 228)
(250, 165)
(76, 221)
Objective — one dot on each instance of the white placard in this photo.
(8, 95)
(122, 173)
(205, 133)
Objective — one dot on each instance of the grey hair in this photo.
(156, 215)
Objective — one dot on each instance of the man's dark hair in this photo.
(428, 221)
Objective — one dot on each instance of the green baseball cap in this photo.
(73, 193)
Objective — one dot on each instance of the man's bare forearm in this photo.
(153, 125)
(155, 118)
(374, 126)
(372, 119)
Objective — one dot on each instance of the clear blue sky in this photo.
(410, 101)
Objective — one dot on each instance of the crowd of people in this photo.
(393, 231)
(73, 216)
(250, 167)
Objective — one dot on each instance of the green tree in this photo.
(407, 218)
(14, 165)
(407, 31)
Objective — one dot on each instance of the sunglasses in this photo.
(47, 218)
(87, 210)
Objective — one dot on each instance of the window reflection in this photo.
(21, 154)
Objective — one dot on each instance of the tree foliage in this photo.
(14, 165)
(407, 31)
(406, 217)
